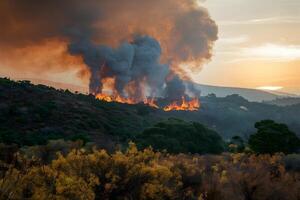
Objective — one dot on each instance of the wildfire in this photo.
(192, 105)
(119, 99)
(110, 94)
(151, 102)
(116, 98)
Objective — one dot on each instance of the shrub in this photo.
(132, 174)
(178, 136)
(272, 137)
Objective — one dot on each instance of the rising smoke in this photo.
(125, 39)
(135, 63)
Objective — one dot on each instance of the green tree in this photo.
(178, 136)
(272, 137)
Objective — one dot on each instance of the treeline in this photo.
(87, 173)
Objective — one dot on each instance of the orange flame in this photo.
(109, 94)
(192, 105)
(151, 102)
(116, 98)
(119, 99)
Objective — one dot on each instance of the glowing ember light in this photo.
(104, 97)
(151, 102)
(192, 105)
(119, 99)
(116, 98)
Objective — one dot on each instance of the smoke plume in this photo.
(141, 44)
(134, 64)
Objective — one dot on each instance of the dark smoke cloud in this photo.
(136, 62)
(183, 32)
(175, 89)
(31, 21)
(184, 29)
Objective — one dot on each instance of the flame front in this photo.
(184, 105)
(110, 94)
(192, 105)
(115, 98)
(151, 102)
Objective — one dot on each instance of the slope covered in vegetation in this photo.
(96, 174)
(39, 160)
(32, 115)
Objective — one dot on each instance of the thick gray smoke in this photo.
(135, 63)
(96, 30)
(175, 89)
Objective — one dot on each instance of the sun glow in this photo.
(270, 88)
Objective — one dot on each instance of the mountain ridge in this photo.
(254, 95)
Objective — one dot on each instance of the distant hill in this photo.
(58, 85)
(288, 101)
(219, 91)
(249, 94)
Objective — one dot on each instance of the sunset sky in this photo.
(258, 47)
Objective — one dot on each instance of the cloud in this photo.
(233, 40)
(261, 21)
(266, 52)
(273, 51)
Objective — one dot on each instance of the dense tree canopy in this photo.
(272, 137)
(178, 136)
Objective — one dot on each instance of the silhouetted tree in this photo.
(272, 137)
(178, 136)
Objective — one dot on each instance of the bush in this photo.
(177, 136)
(133, 174)
(272, 137)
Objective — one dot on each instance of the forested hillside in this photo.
(32, 114)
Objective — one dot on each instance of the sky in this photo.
(258, 47)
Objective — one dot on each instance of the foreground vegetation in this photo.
(95, 174)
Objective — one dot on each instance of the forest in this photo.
(55, 144)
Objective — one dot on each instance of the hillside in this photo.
(57, 85)
(41, 112)
(33, 114)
